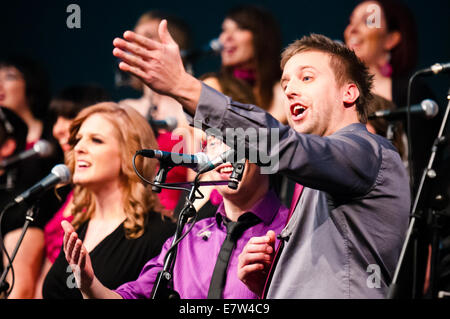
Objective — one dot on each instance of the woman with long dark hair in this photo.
(251, 42)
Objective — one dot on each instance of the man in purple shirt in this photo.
(198, 251)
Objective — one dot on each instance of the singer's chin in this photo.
(81, 178)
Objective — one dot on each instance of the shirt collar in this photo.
(353, 127)
(266, 208)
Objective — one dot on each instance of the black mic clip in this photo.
(160, 178)
(236, 175)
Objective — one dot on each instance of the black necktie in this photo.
(234, 232)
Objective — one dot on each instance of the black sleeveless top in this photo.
(115, 259)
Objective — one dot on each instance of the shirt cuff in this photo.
(211, 109)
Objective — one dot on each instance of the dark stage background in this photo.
(74, 56)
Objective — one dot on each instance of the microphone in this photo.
(168, 159)
(169, 124)
(60, 174)
(228, 156)
(435, 69)
(427, 108)
(41, 148)
(213, 47)
(236, 175)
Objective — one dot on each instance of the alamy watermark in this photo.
(374, 18)
(74, 277)
(73, 21)
(374, 279)
(259, 145)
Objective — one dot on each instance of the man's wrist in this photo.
(187, 93)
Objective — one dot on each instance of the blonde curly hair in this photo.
(133, 133)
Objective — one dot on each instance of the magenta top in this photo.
(167, 142)
(53, 232)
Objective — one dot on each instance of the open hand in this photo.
(157, 64)
(78, 257)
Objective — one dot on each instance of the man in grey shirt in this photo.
(345, 235)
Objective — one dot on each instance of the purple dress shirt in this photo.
(198, 251)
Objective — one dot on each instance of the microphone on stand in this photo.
(60, 174)
(199, 162)
(435, 69)
(41, 148)
(213, 47)
(228, 156)
(169, 160)
(427, 108)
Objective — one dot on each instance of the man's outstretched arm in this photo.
(159, 65)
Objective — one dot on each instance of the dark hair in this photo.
(12, 126)
(179, 29)
(37, 83)
(237, 89)
(400, 18)
(267, 47)
(346, 65)
(71, 100)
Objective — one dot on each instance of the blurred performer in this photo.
(251, 42)
(389, 48)
(159, 107)
(24, 88)
(390, 51)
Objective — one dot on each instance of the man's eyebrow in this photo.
(306, 67)
(299, 69)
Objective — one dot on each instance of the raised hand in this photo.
(255, 261)
(157, 64)
(78, 257)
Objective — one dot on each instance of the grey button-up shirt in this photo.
(346, 233)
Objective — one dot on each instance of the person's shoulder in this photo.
(213, 81)
(362, 139)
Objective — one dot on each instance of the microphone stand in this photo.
(4, 286)
(437, 218)
(161, 288)
(430, 173)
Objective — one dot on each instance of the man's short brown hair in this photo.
(347, 67)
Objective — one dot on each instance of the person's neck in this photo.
(109, 203)
(35, 126)
(377, 75)
(348, 117)
(237, 205)
(382, 85)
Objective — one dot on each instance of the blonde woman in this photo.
(115, 214)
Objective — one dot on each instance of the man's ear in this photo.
(8, 148)
(350, 94)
